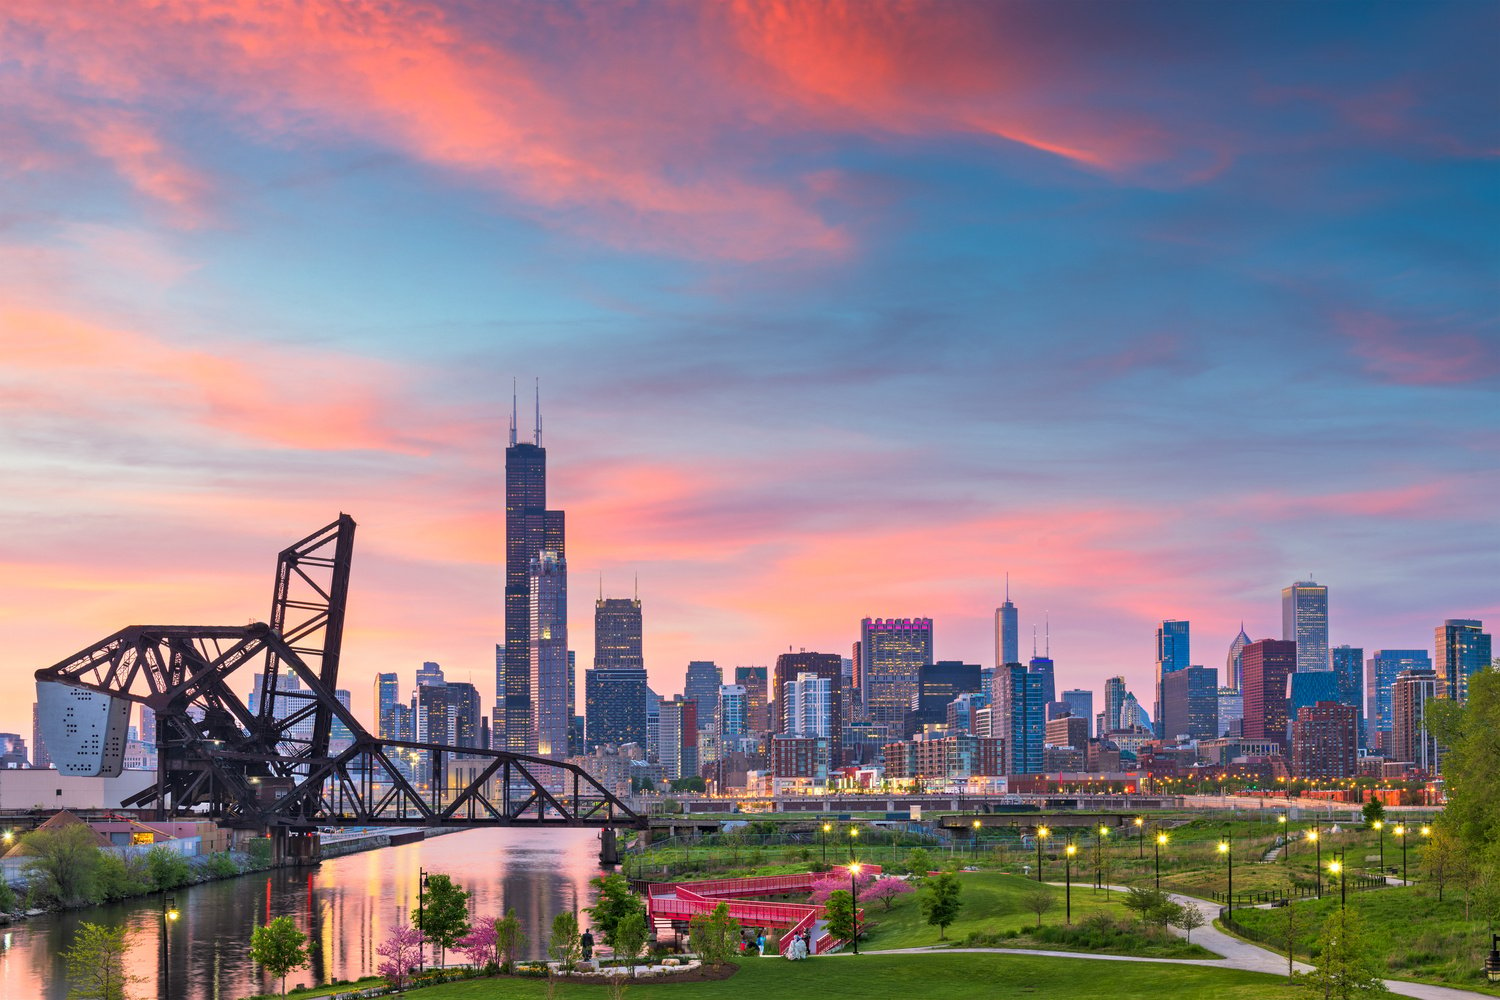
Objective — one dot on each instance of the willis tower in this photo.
(530, 529)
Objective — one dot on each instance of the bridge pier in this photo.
(609, 846)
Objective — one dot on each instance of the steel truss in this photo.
(258, 770)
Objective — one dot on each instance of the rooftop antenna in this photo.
(638, 587)
(1007, 587)
(512, 412)
(538, 412)
(1033, 641)
(1047, 618)
(601, 585)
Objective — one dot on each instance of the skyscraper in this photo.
(826, 665)
(1381, 671)
(1232, 668)
(755, 681)
(1304, 620)
(463, 707)
(1267, 665)
(617, 633)
(1461, 648)
(1007, 644)
(893, 653)
(809, 705)
(1190, 703)
(731, 716)
(549, 655)
(616, 697)
(1080, 703)
(1349, 668)
(1114, 700)
(387, 697)
(1018, 714)
(1325, 741)
(530, 528)
(1044, 668)
(701, 687)
(429, 673)
(1173, 653)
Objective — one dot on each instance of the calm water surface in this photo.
(346, 906)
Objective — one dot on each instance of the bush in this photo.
(260, 852)
(121, 878)
(63, 866)
(221, 866)
(167, 869)
(7, 897)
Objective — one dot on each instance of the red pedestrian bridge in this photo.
(681, 901)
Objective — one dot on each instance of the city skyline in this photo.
(1158, 310)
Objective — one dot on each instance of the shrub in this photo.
(221, 866)
(167, 869)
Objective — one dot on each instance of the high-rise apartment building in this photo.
(1304, 620)
(809, 706)
(755, 681)
(1325, 741)
(1190, 703)
(1173, 653)
(464, 710)
(1411, 739)
(1232, 668)
(1081, 704)
(730, 716)
(1007, 629)
(1461, 648)
(1349, 668)
(1018, 716)
(530, 529)
(1267, 664)
(826, 665)
(893, 652)
(550, 712)
(1381, 671)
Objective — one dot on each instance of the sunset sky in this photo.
(838, 310)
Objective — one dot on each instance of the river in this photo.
(347, 906)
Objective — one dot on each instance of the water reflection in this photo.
(346, 907)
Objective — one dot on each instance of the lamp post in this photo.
(1312, 835)
(169, 916)
(976, 840)
(1140, 838)
(1400, 832)
(1041, 833)
(1068, 853)
(823, 841)
(1379, 826)
(1286, 838)
(1161, 838)
(853, 836)
(854, 897)
(1226, 850)
(1492, 961)
(1099, 856)
(421, 914)
(1336, 869)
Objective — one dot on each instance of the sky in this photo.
(837, 310)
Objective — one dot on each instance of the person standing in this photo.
(587, 944)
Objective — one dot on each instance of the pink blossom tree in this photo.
(829, 884)
(402, 952)
(481, 944)
(886, 890)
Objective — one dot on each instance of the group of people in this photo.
(756, 940)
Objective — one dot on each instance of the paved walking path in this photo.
(1238, 954)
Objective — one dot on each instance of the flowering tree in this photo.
(401, 951)
(825, 887)
(886, 890)
(481, 943)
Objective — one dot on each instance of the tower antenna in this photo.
(1033, 640)
(1007, 587)
(1047, 617)
(512, 412)
(539, 412)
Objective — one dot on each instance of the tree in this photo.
(402, 952)
(692, 783)
(96, 964)
(1471, 732)
(563, 945)
(614, 903)
(62, 865)
(1144, 900)
(941, 902)
(1188, 919)
(167, 869)
(509, 939)
(886, 890)
(840, 915)
(830, 884)
(279, 947)
(714, 936)
(1039, 899)
(1443, 854)
(480, 943)
(919, 862)
(1346, 969)
(630, 937)
(443, 915)
(1373, 810)
(1287, 926)
(7, 897)
(121, 878)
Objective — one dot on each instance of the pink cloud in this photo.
(1409, 354)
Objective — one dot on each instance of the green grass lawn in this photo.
(1421, 938)
(946, 975)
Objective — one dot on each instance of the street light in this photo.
(854, 896)
(1400, 832)
(823, 841)
(1140, 838)
(853, 836)
(421, 913)
(1336, 868)
(1312, 835)
(1379, 826)
(1068, 853)
(1224, 849)
(1161, 838)
(976, 840)
(1041, 832)
(1098, 856)
(169, 910)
